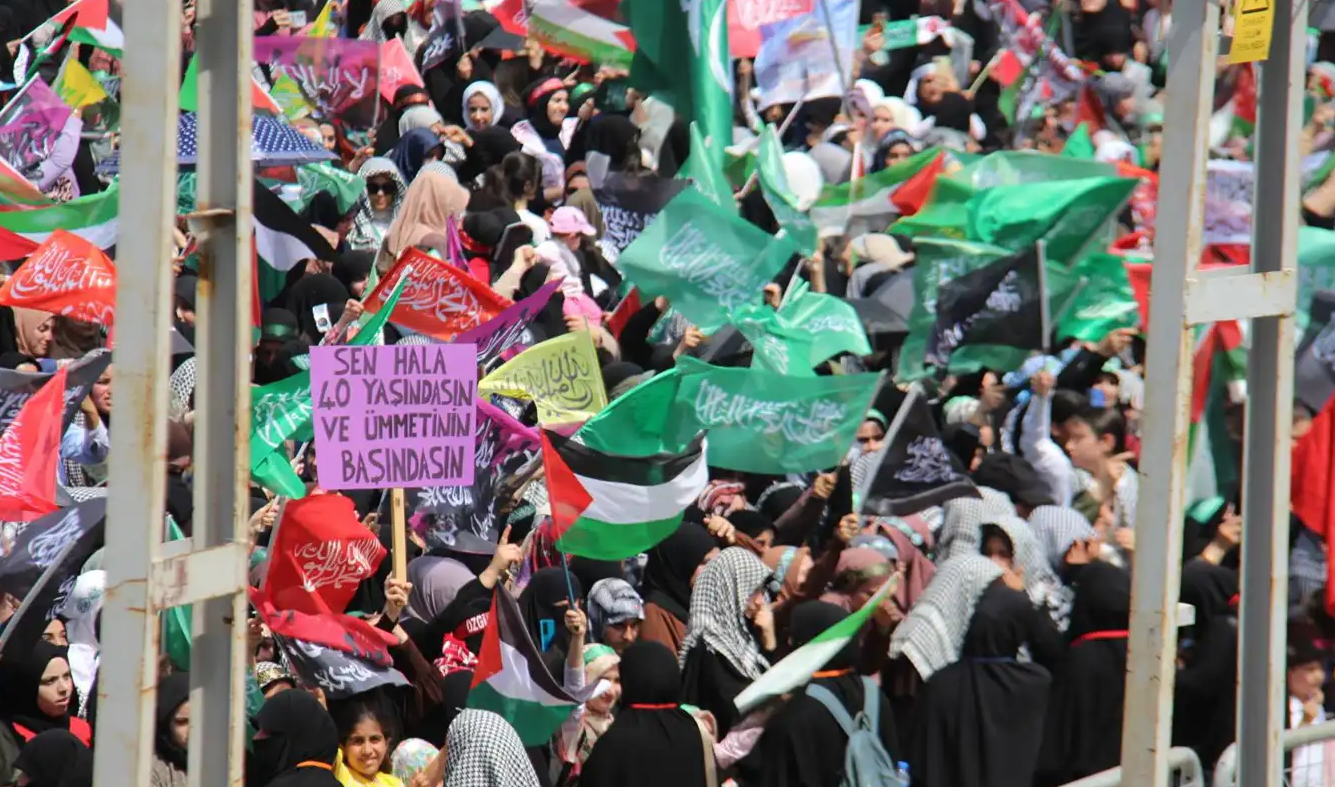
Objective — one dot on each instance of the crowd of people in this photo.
(995, 652)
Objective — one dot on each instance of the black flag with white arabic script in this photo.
(338, 673)
(42, 566)
(913, 471)
(16, 388)
(999, 304)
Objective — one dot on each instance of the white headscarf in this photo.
(81, 609)
(493, 96)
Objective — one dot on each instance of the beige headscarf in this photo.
(432, 198)
(584, 200)
(26, 322)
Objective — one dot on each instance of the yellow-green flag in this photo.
(323, 26)
(76, 87)
(289, 97)
(561, 375)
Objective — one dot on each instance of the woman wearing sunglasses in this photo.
(377, 210)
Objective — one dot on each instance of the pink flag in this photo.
(746, 16)
(396, 68)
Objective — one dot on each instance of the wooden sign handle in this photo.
(400, 534)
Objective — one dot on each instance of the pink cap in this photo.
(570, 221)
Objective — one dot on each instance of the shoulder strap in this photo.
(836, 708)
(871, 703)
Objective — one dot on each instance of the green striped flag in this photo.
(611, 507)
(567, 29)
(511, 679)
(1219, 372)
(94, 218)
(796, 668)
(866, 196)
(780, 198)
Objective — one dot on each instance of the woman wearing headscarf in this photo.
(353, 271)
(482, 750)
(436, 581)
(433, 200)
(803, 745)
(1205, 699)
(36, 695)
(56, 758)
(861, 572)
(310, 293)
(653, 742)
(577, 736)
(26, 331)
(544, 603)
(171, 740)
(1088, 691)
(546, 132)
(1011, 541)
(668, 578)
(483, 106)
(484, 149)
(379, 206)
(390, 20)
(963, 637)
(387, 134)
(295, 745)
(720, 655)
(414, 149)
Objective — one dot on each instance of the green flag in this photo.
(707, 173)
(1316, 268)
(681, 57)
(777, 345)
(1079, 145)
(945, 215)
(781, 200)
(1014, 167)
(867, 196)
(632, 424)
(761, 422)
(1103, 301)
(1064, 214)
(176, 626)
(345, 187)
(832, 323)
(704, 260)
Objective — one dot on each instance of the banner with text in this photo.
(394, 416)
(337, 78)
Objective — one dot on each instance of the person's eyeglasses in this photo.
(382, 188)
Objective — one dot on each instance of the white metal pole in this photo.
(1152, 650)
(150, 94)
(222, 432)
(1262, 714)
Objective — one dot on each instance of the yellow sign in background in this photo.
(1253, 21)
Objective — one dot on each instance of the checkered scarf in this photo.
(1057, 528)
(718, 610)
(933, 633)
(364, 236)
(483, 750)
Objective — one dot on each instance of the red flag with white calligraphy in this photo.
(396, 68)
(321, 552)
(439, 300)
(29, 451)
(66, 275)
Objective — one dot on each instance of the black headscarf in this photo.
(1015, 476)
(352, 267)
(311, 291)
(589, 572)
(538, 96)
(987, 703)
(614, 136)
(541, 603)
(549, 322)
(20, 678)
(490, 145)
(56, 758)
(173, 691)
(297, 730)
(1089, 691)
(952, 110)
(802, 743)
(648, 746)
(667, 576)
(1205, 702)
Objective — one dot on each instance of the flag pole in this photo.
(985, 73)
(570, 589)
(400, 542)
(1044, 317)
(838, 61)
(751, 148)
(273, 538)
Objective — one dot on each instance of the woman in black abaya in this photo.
(803, 745)
(653, 742)
(985, 701)
(295, 746)
(1088, 692)
(1205, 708)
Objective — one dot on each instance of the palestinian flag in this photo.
(1219, 382)
(609, 507)
(797, 668)
(282, 238)
(566, 28)
(511, 679)
(89, 14)
(95, 218)
(868, 196)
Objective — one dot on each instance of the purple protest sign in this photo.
(394, 416)
(336, 76)
(505, 330)
(30, 125)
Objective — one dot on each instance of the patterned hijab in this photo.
(482, 750)
(932, 634)
(718, 610)
(1057, 529)
(364, 235)
(962, 532)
